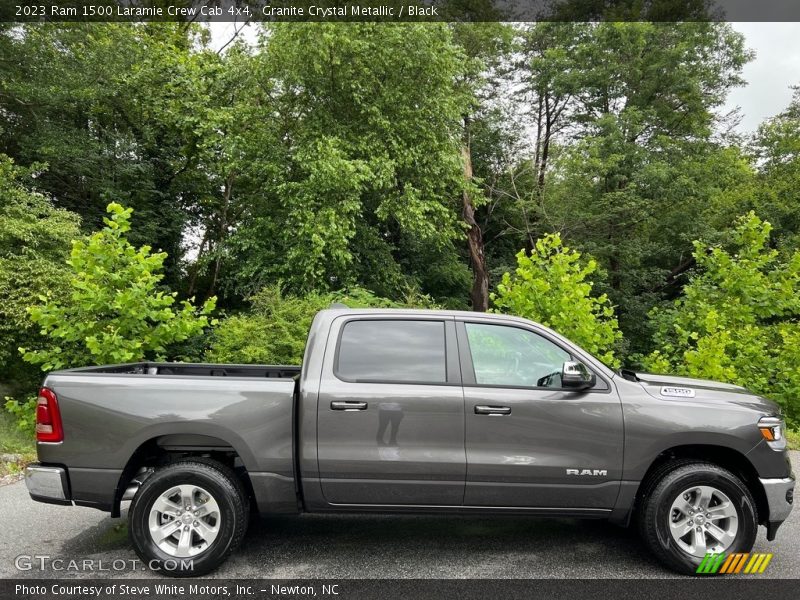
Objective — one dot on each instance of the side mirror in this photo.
(575, 376)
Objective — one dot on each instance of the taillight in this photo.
(48, 417)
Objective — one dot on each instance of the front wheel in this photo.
(697, 509)
(188, 517)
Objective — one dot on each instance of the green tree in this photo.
(550, 286)
(517, 164)
(622, 160)
(275, 329)
(34, 243)
(485, 47)
(230, 155)
(737, 320)
(113, 115)
(358, 150)
(775, 193)
(115, 311)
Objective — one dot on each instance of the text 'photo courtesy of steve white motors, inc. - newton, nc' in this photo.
(144, 590)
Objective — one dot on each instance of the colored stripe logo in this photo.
(733, 564)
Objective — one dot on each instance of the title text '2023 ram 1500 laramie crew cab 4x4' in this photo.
(410, 411)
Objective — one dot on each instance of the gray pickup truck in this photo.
(406, 410)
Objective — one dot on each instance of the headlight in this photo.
(771, 428)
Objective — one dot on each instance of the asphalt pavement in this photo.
(357, 546)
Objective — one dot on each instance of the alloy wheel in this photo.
(702, 519)
(184, 521)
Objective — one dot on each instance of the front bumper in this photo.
(48, 484)
(780, 498)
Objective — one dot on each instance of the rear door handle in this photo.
(492, 410)
(346, 405)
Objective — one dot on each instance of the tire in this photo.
(670, 502)
(196, 541)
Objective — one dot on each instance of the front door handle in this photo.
(346, 405)
(492, 410)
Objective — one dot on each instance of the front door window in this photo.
(514, 357)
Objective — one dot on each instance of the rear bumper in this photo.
(48, 484)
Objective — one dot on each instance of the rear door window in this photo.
(379, 350)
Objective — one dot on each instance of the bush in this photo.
(116, 311)
(35, 240)
(23, 412)
(17, 436)
(738, 318)
(549, 286)
(275, 330)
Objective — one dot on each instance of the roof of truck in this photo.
(464, 314)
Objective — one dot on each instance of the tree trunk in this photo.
(223, 226)
(195, 270)
(543, 152)
(480, 276)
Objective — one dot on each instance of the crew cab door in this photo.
(390, 415)
(529, 442)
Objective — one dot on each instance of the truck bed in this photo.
(115, 413)
(193, 370)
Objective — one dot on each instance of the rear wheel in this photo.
(188, 517)
(695, 509)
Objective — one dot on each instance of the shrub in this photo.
(35, 240)
(23, 412)
(737, 320)
(275, 329)
(115, 312)
(550, 286)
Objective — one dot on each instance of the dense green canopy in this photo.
(405, 159)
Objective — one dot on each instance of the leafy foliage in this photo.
(114, 312)
(24, 413)
(358, 148)
(738, 318)
(550, 286)
(34, 243)
(774, 193)
(16, 438)
(333, 157)
(639, 182)
(274, 331)
(113, 116)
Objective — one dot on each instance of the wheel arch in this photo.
(163, 449)
(722, 456)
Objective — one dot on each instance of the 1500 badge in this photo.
(678, 392)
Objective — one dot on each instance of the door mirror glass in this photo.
(576, 376)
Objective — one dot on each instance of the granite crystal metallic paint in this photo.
(311, 440)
